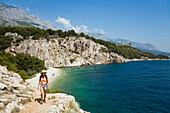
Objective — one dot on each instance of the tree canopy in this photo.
(25, 65)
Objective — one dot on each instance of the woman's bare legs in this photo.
(41, 95)
(44, 95)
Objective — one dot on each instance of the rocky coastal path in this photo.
(35, 106)
(55, 103)
(18, 96)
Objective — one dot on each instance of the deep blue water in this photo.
(133, 87)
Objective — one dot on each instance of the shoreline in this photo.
(135, 59)
(50, 71)
(125, 61)
(57, 71)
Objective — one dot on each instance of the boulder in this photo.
(3, 71)
(18, 86)
(3, 86)
(10, 97)
(23, 95)
(3, 99)
(1, 104)
(10, 107)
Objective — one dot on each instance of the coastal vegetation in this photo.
(125, 50)
(72, 60)
(24, 65)
(54, 91)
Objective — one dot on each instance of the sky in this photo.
(145, 21)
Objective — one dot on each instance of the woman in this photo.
(44, 85)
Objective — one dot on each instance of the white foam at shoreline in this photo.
(34, 81)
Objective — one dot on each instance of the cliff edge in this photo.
(17, 96)
(65, 52)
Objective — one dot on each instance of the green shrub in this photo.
(104, 50)
(2, 108)
(54, 91)
(23, 74)
(31, 73)
(35, 38)
(19, 39)
(72, 60)
(5, 42)
(12, 67)
(26, 65)
(24, 101)
(53, 97)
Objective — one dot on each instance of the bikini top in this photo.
(43, 79)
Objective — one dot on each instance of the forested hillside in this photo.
(37, 33)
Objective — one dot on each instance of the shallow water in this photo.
(133, 87)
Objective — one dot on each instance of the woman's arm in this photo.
(47, 83)
(38, 84)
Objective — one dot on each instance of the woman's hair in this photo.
(42, 76)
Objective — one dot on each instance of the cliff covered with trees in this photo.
(36, 33)
(38, 47)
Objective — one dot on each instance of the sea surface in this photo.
(133, 87)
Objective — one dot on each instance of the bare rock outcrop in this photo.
(69, 51)
(17, 96)
(11, 87)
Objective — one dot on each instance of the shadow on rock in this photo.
(38, 100)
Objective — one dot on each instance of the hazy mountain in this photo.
(98, 36)
(13, 16)
(147, 47)
(157, 52)
(138, 45)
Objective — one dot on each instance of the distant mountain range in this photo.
(138, 45)
(147, 47)
(98, 36)
(13, 16)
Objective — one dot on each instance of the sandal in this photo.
(41, 102)
(44, 101)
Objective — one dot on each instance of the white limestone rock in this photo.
(3, 86)
(64, 103)
(1, 104)
(3, 71)
(9, 97)
(3, 99)
(71, 51)
(10, 106)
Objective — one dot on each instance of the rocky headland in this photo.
(18, 96)
(66, 52)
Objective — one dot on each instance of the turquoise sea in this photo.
(133, 87)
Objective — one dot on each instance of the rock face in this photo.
(65, 103)
(69, 51)
(10, 16)
(16, 95)
(11, 89)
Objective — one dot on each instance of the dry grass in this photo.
(2, 108)
(15, 110)
(24, 101)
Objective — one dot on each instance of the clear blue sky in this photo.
(145, 21)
